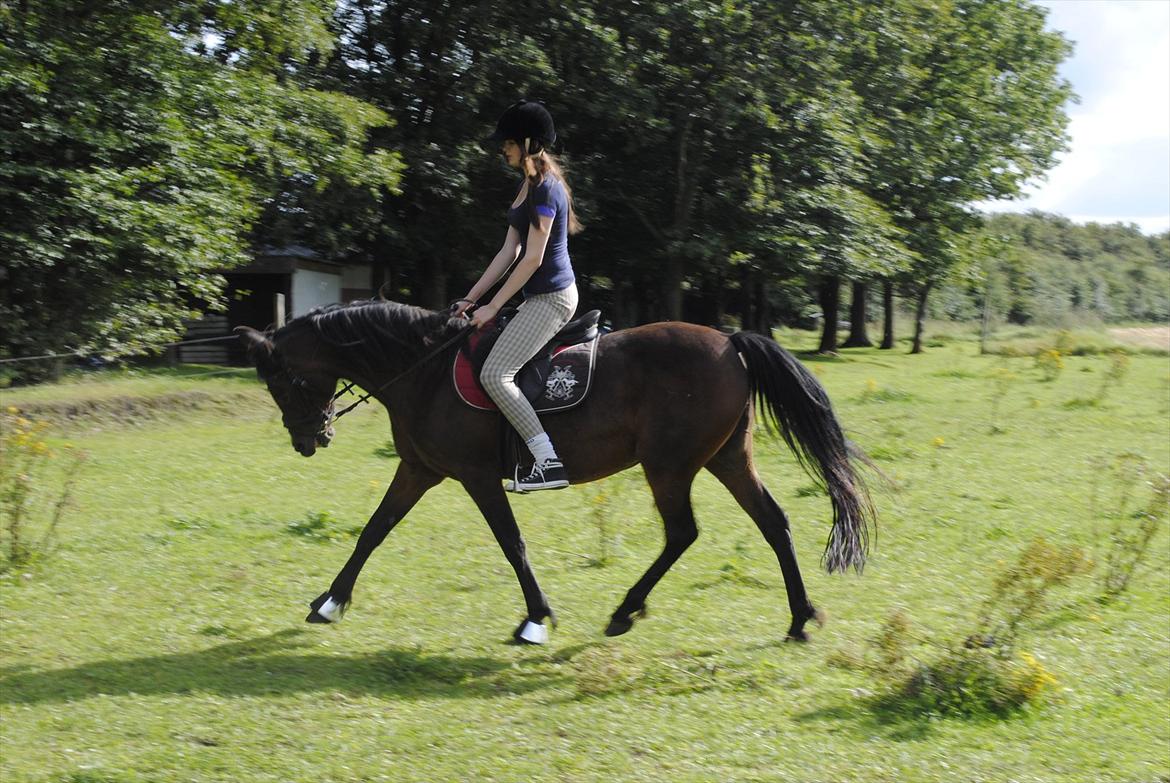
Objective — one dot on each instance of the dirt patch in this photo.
(136, 410)
(1156, 337)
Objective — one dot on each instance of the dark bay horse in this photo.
(674, 397)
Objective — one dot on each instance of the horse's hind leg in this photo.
(409, 484)
(733, 467)
(672, 496)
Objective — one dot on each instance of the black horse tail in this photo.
(789, 398)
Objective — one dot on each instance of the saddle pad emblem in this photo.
(560, 383)
(551, 385)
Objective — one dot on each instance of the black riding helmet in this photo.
(525, 120)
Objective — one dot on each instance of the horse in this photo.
(675, 397)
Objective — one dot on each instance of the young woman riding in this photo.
(539, 223)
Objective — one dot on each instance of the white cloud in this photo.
(1118, 166)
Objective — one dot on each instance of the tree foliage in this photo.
(137, 159)
(728, 158)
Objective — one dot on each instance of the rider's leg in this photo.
(539, 318)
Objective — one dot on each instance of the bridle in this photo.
(328, 415)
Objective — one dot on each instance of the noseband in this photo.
(321, 420)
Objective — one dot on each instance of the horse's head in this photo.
(303, 394)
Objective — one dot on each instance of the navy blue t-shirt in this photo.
(549, 199)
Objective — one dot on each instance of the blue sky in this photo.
(1118, 165)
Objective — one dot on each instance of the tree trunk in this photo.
(920, 317)
(435, 290)
(985, 329)
(671, 301)
(746, 299)
(888, 314)
(830, 299)
(762, 309)
(858, 336)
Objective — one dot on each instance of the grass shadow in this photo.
(277, 664)
(871, 717)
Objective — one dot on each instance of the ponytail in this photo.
(536, 167)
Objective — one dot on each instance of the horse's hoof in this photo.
(618, 626)
(796, 632)
(326, 610)
(529, 632)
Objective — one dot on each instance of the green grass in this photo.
(163, 641)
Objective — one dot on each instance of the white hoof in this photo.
(534, 633)
(331, 610)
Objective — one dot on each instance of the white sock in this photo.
(541, 448)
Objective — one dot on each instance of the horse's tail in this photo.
(790, 399)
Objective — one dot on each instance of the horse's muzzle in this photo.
(305, 446)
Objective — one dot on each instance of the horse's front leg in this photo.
(410, 482)
(489, 496)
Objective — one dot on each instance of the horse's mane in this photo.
(371, 331)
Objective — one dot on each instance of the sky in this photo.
(1118, 165)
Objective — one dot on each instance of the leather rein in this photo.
(332, 417)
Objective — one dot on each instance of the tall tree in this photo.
(965, 104)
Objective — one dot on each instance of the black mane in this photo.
(373, 331)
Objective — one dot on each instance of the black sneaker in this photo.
(549, 474)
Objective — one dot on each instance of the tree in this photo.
(137, 162)
(965, 104)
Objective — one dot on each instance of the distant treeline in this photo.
(1045, 269)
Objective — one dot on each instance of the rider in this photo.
(540, 220)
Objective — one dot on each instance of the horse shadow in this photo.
(279, 664)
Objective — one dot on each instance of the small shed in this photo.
(294, 274)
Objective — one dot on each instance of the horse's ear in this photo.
(258, 346)
(382, 289)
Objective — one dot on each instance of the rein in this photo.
(366, 397)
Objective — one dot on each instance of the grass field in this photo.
(163, 639)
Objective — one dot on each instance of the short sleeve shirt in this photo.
(548, 199)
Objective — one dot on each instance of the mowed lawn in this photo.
(164, 640)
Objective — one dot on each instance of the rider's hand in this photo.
(460, 306)
(483, 314)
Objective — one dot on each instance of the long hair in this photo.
(536, 167)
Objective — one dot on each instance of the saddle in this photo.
(556, 379)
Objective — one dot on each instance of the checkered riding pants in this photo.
(539, 318)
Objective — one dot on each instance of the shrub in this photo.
(974, 683)
(985, 676)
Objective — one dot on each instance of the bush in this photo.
(974, 683)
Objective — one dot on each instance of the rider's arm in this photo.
(495, 269)
(533, 255)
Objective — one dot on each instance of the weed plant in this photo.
(985, 675)
(1130, 539)
(1002, 379)
(36, 490)
(599, 499)
(1050, 363)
